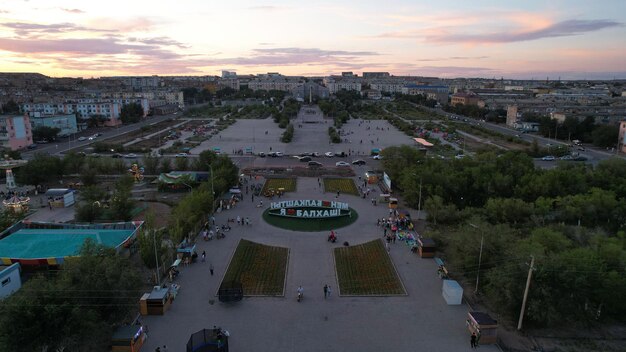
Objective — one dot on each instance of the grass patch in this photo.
(259, 268)
(310, 225)
(289, 184)
(344, 185)
(366, 270)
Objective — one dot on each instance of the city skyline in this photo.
(566, 39)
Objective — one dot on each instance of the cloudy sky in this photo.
(516, 39)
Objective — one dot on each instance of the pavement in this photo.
(419, 321)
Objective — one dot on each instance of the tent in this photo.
(207, 340)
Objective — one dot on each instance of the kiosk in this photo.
(156, 302)
(426, 248)
(128, 338)
(485, 327)
(452, 292)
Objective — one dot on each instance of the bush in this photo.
(287, 135)
(334, 135)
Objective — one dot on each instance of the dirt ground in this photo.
(161, 210)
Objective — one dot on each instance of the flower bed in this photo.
(366, 270)
(259, 268)
(289, 184)
(343, 185)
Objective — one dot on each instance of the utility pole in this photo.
(419, 202)
(530, 274)
(156, 258)
(480, 256)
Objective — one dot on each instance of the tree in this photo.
(181, 164)
(90, 206)
(605, 136)
(149, 239)
(131, 113)
(41, 169)
(10, 107)
(151, 164)
(45, 133)
(62, 312)
(121, 203)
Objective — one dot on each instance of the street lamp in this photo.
(480, 255)
(156, 257)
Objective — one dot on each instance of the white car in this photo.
(130, 156)
(182, 155)
(279, 154)
(548, 158)
(377, 157)
(329, 154)
(81, 139)
(341, 164)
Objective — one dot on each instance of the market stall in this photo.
(128, 338)
(156, 302)
(426, 248)
(452, 292)
(485, 327)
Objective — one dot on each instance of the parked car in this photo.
(279, 154)
(359, 162)
(548, 158)
(32, 146)
(377, 157)
(182, 155)
(261, 155)
(117, 156)
(329, 154)
(567, 158)
(82, 139)
(315, 164)
(130, 156)
(315, 154)
(342, 164)
(305, 159)
(582, 149)
(460, 156)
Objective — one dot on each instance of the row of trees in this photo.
(287, 136)
(571, 218)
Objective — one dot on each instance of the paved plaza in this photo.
(420, 321)
(360, 136)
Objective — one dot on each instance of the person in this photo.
(164, 348)
(158, 349)
(328, 291)
(211, 268)
(203, 256)
(325, 291)
(473, 340)
(300, 292)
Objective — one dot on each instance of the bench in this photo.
(442, 271)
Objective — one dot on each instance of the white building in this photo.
(335, 84)
(110, 108)
(10, 280)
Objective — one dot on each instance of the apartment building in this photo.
(438, 93)
(110, 108)
(65, 123)
(233, 83)
(15, 132)
(335, 84)
(464, 99)
(275, 82)
(375, 75)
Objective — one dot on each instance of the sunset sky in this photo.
(514, 39)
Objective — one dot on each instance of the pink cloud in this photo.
(448, 35)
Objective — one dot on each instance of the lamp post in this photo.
(480, 256)
(156, 257)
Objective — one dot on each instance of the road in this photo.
(64, 144)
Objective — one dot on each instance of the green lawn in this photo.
(366, 270)
(344, 185)
(260, 268)
(310, 225)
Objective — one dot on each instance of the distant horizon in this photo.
(573, 39)
(359, 74)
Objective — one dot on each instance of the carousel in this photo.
(16, 203)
